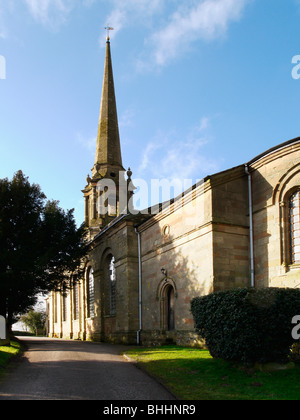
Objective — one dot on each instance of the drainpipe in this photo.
(251, 226)
(140, 287)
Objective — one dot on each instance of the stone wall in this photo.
(231, 251)
(275, 177)
(179, 241)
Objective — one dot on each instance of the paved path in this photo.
(69, 370)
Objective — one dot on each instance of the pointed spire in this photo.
(108, 152)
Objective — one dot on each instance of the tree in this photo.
(40, 245)
(35, 321)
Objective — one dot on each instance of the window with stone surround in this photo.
(55, 308)
(64, 304)
(294, 224)
(90, 290)
(110, 290)
(112, 278)
(76, 300)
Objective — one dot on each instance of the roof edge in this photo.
(273, 149)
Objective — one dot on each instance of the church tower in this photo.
(102, 192)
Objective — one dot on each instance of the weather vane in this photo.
(108, 28)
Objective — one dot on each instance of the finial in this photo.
(129, 174)
(108, 28)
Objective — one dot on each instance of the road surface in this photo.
(54, 369)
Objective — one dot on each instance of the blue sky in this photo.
(201, 86)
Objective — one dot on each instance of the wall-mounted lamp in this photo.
(164, 272)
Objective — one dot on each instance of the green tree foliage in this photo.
(248, 325)
(35, 321)
(40, 245)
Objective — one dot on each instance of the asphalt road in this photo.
(69, 370)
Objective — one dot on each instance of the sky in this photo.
(201, 86)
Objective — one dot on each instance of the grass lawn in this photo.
(192, 374)
(7, 352)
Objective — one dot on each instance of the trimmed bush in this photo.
(248, 325)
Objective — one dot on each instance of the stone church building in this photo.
(240, 227)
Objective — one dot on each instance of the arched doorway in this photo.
(167, 295)
(170, 308)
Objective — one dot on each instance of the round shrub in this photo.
(248, 325)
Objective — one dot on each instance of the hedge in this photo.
(248, 325)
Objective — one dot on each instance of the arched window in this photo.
(76, 300)
(64, 304)
(110, 285)
(112, 281)
(294, 219)
(55, 308)
(90, 293)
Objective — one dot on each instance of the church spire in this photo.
(102, 192)
(108, 152)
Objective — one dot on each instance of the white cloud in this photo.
(3, 33)
(3, 29)
(89, 143)
(51, 13)
(167, 156)
(127, 118)
(170, 165)
(148, 155)
(130, 13)
(173, 25)
(206, 20)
